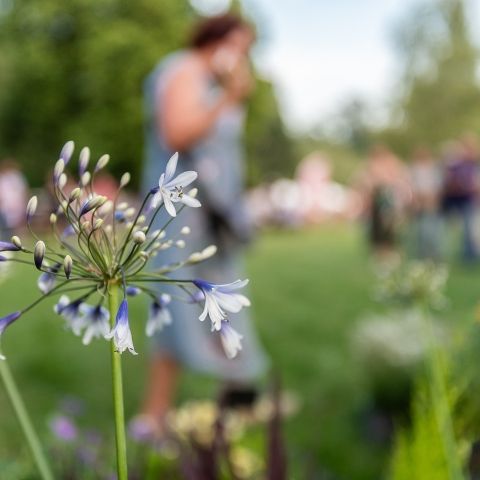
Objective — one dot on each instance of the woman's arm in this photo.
(184, 116)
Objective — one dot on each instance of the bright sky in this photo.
(319, 53)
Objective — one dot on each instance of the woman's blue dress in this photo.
(222, 220)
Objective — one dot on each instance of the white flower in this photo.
(71, 312)
(95, 322)
(231, 340)
(159, 315)
(170, 190)
(121, 334)
(221, 298)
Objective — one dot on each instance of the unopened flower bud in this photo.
(144, 255)
(85, 179)
(58, 169)
(53, 219)
(108, 229)
(83, 160)
(139, 237)
(141, 219)
(67, 151)
(31, 207)
(92, 203)
(62, 181)
(209, 251)
(122, 206)
(180, 243)
(75, 194)
(39, 254)
(102, 162)
(185, 230)
(195, 257)
(129, 225)
(67, 265)
(98, 223)
(106, 207)
(16, 241)
(129, 212)
(125, 180)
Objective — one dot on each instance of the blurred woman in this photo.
(194, 105)
(426, 181)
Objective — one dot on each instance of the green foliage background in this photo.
(74, 70)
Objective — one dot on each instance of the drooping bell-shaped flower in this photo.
(95, 322)
(159, 315)
(121, 334)
(5, 322)
(231, 340)
(71, 312)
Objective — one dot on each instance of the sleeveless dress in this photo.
(222, 220)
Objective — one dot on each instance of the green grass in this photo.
(308, 290)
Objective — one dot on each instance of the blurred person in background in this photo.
(460, 189)
(385, 190)
(426, 182)
(13, 197)
(194, 105)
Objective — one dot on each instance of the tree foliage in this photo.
(440, 97)
(74, 70)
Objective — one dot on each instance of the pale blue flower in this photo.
(220, 299)
(231, 340)
(159, 315)
(121, 334)
(71, 312)
(46, 281)
(170, 190)
(95, 322)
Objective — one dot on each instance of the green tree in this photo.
(440, 97)
(75, 69)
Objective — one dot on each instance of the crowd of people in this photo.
(422, 197)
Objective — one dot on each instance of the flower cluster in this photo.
(102, 242)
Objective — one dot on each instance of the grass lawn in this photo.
(308, 289)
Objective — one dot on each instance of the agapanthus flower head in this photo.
(108, 243)
(220, 299)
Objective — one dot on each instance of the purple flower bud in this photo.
(63, 428)
(7, 320)
(67, 151)
(8, 247)
(133, 291)
(39, 254)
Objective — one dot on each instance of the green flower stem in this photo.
(25, 422)
(120, 438)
